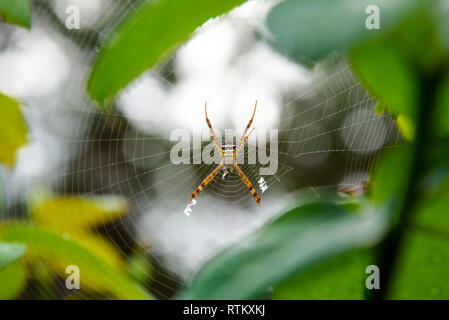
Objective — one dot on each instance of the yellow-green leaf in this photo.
(13, 130)
(73, 214)
(406, 127)
(13, 279)
(50, 246)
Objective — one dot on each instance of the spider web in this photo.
(328, 137)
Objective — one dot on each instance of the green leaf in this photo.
(63, 252)
(13, 279)
(387, 75)
(441, 115)
(139, 268)
(13, 130)
(16, 12)
(308, 30)
(342, 277)
(146, 37)
(10, 252)
(422, 269)
(389, 175)
(431, 211)
(295, 241)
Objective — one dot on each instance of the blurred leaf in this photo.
(443, 21)
(432, 213)
(419, 39)
(53, 247)
(387, 75)
(342, 277)
(422, 269)
(99, 246)
(308, 30)
(139, 268)
(146, 37)
(432, 207)
(295, 241)
(13, 279)
(406, 127)
(77, 214)
(2, 197)
(16, 12)
(10, 252)
(12, 129)
(441, 114)
(389, 175)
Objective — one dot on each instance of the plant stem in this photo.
(389, 248)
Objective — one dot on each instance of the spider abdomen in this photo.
(228, 154)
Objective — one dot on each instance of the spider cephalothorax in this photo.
(228, 153)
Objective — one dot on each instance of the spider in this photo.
(228, 153)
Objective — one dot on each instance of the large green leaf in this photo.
(12, 129)
(387, 75)
(146, 37)
(423, 268)
(63, 252)
(10, 252)
(431, 211)
(389, 175)
(308, 30)
(298, 239)
(16, 12)
(342, 277)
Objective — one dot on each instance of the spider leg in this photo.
(212, 133)
(244, 136)
(206, 181)
(247, 183)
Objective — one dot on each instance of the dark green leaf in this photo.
(308, 30)
(342, 277)
(386, 74)
(441, 114)
(431, 212)
(297, 240)
(389, 175)
(423, 267)
(16, 12)
(146, 37)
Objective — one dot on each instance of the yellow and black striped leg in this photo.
(247, 183)
(212, 133)
(206, 181)
(244, 136)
